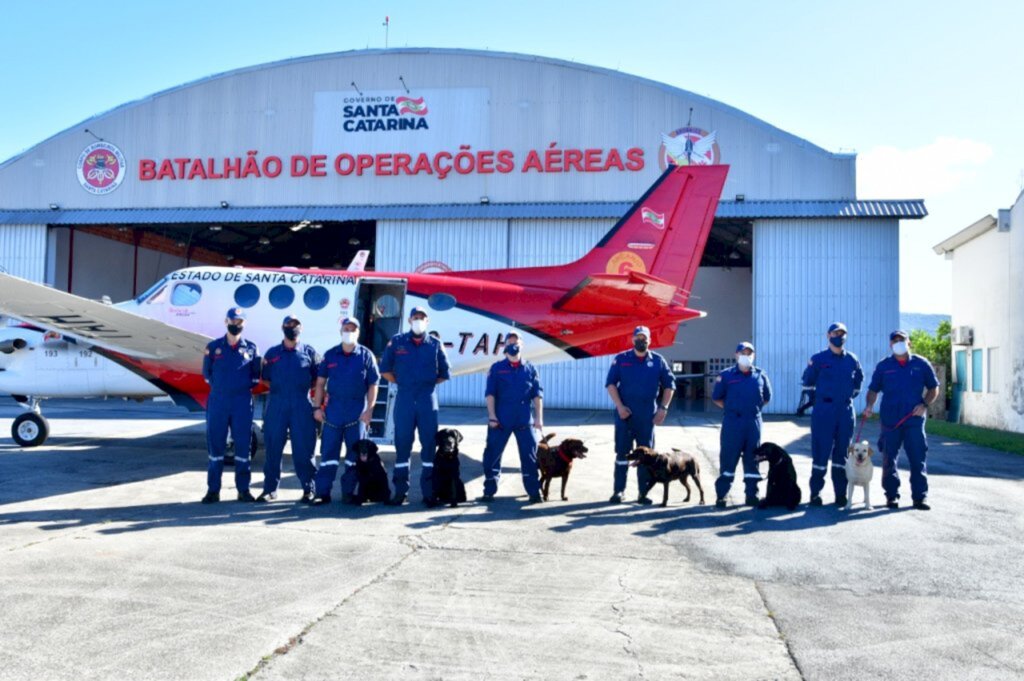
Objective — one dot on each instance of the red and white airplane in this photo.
(641, 272)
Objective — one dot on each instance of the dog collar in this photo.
(563, 457)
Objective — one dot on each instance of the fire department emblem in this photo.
(625, 262)
(101, 168)
(689, 147)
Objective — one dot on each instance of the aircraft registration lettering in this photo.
(82, 325)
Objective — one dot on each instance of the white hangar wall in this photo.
(810, 273)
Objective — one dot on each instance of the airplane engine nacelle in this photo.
(9, 345)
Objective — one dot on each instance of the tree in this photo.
(937, 349)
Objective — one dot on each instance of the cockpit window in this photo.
(186, 294)
(153, 294)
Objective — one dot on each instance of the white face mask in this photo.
(900, 348)
(419, 326)
(349, 337)
(745, 361)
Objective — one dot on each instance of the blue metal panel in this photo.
(902, 209)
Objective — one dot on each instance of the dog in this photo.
(448, 486)
(557, 462)
(783, 489)
(859, 470)
(372, 479)
(665, 468)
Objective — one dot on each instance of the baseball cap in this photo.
(235, 313)
(418, 310)
(745, 345)
(642, 330)
(837, 326)
(290, 319)
(350, 320)
(899, 333)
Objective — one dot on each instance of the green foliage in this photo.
(936, 349)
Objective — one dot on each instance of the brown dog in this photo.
(557, 462)
(665, 468)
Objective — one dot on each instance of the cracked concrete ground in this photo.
(110, 569)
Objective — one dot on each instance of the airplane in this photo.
(640, 272)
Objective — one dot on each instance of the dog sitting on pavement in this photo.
(448, 486)
(665, 468)
(371, 478)
(782, 488)
(859, 470)
(556, 462)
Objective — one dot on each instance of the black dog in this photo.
(448, 487)
(782, 488)
(372, 479)
(664, 468)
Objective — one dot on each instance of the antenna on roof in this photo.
(387, 22)
(94, 135)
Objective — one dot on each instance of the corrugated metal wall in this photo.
(23, 251)
(403, 245)
(809, 273)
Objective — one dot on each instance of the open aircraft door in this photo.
(379, 305)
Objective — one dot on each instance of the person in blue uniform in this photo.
(908, 385)
(741, 391)
(348, 377)
(415, 363)
(635, 380)
(290, 371)
(513, 387)
(231, 365)
(836, 376)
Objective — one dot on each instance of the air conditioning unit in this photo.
(962, 335)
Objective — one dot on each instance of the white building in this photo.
(988, 328)
(217, 171)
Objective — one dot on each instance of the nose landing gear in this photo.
(30, 429)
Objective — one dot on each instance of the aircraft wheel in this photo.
(30, 429)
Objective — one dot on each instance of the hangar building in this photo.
(460, 159)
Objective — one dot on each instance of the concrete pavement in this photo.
(112, 569)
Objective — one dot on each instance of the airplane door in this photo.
(379, 305)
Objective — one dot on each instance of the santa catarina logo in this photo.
(101, 167)
(376, 114)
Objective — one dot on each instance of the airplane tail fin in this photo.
(660, 239)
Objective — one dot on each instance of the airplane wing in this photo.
(358, 263)
(103, 326)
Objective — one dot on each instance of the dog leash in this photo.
(341, 428)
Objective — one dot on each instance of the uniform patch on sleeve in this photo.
(718, 380)
(810, 362)
(206, 352)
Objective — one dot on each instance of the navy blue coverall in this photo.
(836, 379)
(744, 394)
(902, 387)
(291, 373)
(349, 375)
(417, 364)
(231, 371)
(513, 387)
(638, 380)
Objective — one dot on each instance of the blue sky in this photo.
(928, 94)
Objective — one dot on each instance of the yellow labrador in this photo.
(859, 470)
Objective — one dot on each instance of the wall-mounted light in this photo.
(740, 198)
(300, 226)
(485, 199)
(215, 228)
(54, 206)
(306, 256)
(316, 225)
(264, 241)
(734, 255)
(224, 204)
(353, 241)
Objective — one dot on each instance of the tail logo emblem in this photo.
(625, 262)
(652, 218)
